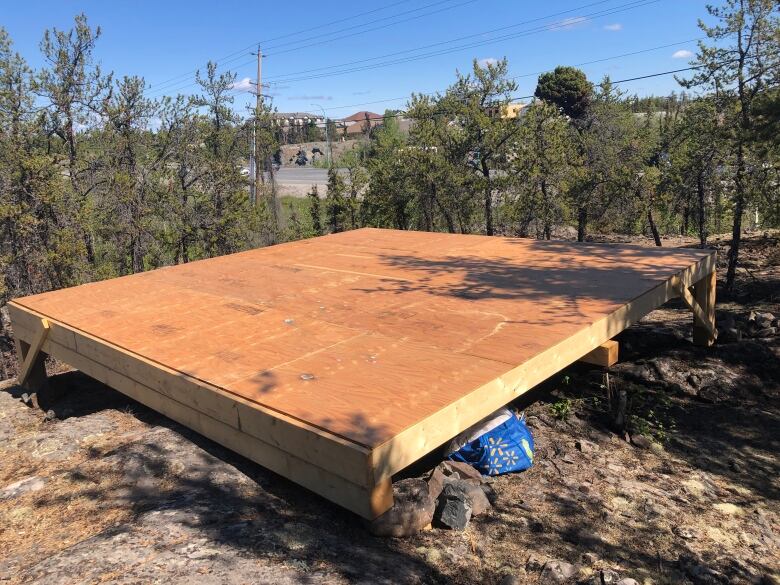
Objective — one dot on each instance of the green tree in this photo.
(542, 170)
(335, 202)
(568, 88)
(315, 209)
(742, 62)
(74, 86)
(229, 221)
(475, 103)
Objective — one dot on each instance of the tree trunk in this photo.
(447, 215)
(653, 228)
(488, 199)
(739, 207)
(582, 220)
(702, 215)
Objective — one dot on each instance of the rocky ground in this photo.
(100, 489)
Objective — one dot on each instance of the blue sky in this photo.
(164, 41)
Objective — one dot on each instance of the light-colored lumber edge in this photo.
(336, 468)
(32, 372)
(704, 293)
(701, 319)
(605, 355)
(423, 437)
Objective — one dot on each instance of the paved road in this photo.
(296, 181)
(302, 176)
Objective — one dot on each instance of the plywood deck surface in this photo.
(363, 333)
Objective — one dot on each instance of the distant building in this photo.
(360, 122)
(506, 110)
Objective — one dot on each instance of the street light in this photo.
(329, 153)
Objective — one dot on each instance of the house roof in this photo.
(361, 117)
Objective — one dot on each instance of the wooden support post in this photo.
(704, 293)
(702, 306)
(32, 361)
(605, 355)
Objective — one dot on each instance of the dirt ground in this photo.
(103, 490)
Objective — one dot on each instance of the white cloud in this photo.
(487, 61)
(568, 23)
(682, 54)
(613, 27)
(244, 84)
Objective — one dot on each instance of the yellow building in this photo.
(506, 110)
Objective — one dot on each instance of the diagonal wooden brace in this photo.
(704, 317)
(33, 354)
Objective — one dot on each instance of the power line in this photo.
(437, 44)
(515, 77)
(524, 97)
(532, 31)
(418, 9)
(242, 52)
(547, 27)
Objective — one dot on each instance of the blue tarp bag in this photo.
(500, 444)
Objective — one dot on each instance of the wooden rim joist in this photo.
(338, 361)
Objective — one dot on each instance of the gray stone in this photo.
(412, 510)
(641, 441)
(473, 494)
(764, 320)
(694, 380)
(557, 572)
(627, 581)
(766, 332)
(453, 510)
(685, 532)
(21, 487)
(459, 470)
(590, 559)
(608, 576)
(586, 446)
(534, 563)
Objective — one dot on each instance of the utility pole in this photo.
(267, 162)
(257, 168)
(329, 151)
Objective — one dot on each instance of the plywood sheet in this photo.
(364, 333)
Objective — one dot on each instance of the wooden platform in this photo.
(337, 361)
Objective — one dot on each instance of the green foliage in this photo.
(98, 179)
(315, 210)
(106, 181)
(568, 88)
(561, 409)
(336, 207)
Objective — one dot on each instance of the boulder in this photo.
(21, 487)
(586, 446)
(641, 441)
(473, 493)
(558, 572)
(412, 510)
(460, 470)
(453, 510)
